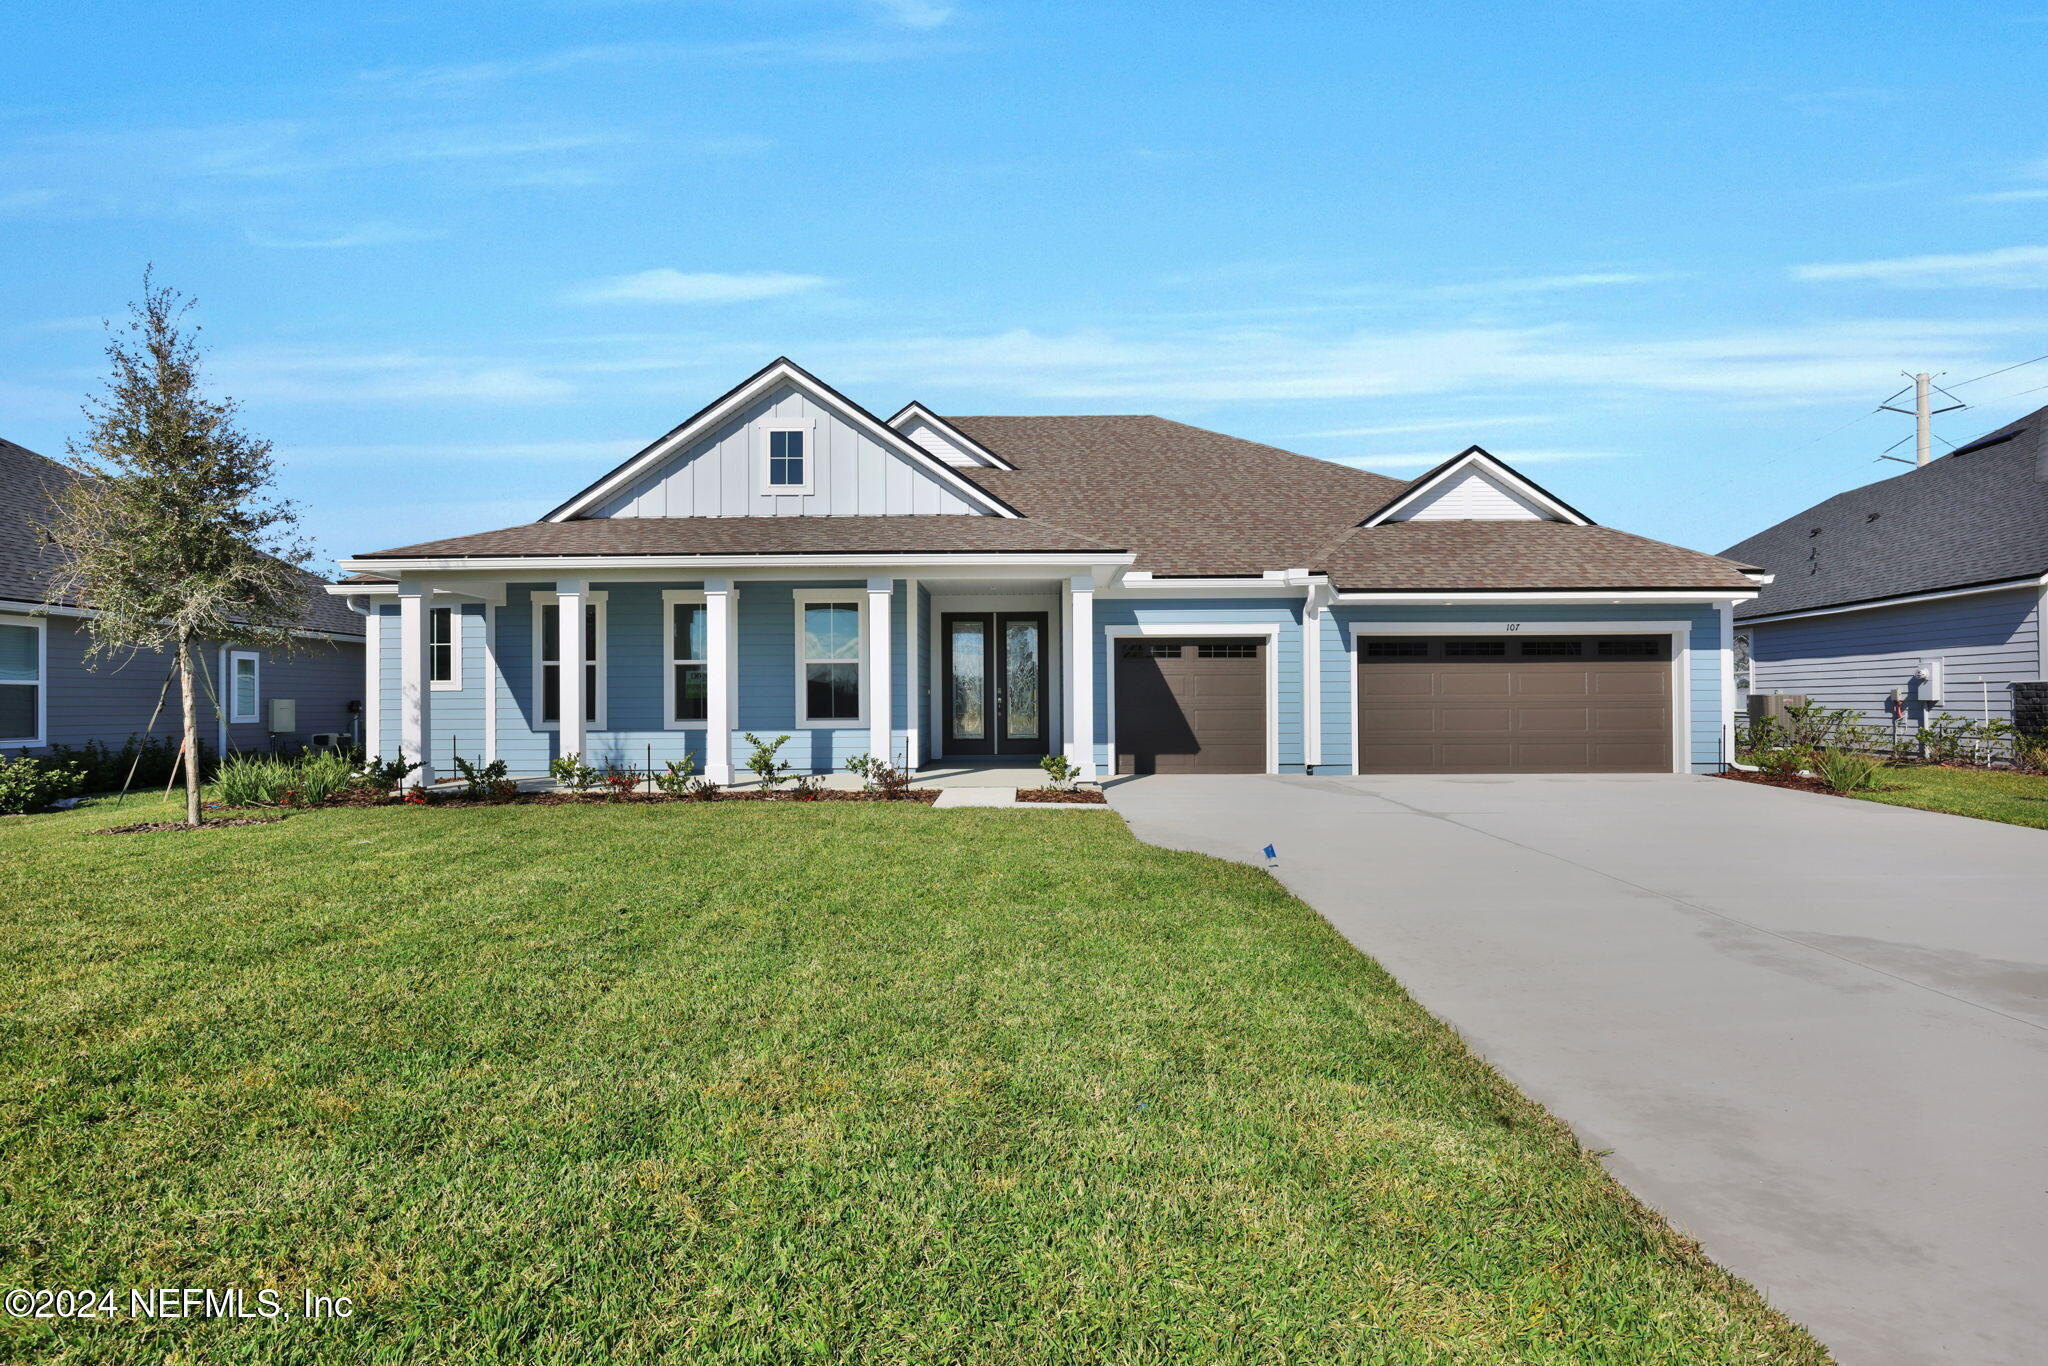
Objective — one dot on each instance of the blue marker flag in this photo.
(1270, 854)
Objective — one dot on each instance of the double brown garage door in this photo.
(1514, 704)
(1191, 706)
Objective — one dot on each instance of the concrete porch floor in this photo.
(943, 774)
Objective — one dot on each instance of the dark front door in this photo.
(994, 682)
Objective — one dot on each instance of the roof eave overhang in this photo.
(2036, 581)
(504, 564)
(782, 370)
(1454, 596)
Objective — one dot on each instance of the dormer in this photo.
(933, 433)
(1473, 486)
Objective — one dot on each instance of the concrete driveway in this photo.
(1814, 1032)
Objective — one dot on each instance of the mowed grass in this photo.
(1992, 795)
(776, 1084)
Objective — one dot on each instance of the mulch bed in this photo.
(1796, 784)
(1085, 796)
(923, 796)
(144, 827)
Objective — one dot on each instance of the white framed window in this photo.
(788, 458)
(686, 647)
(444, 648)
(245, 687)
(547, 661)
(24, 658)
(831, 650)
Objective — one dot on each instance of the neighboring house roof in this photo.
(28, 563)
(1398, 557)
(937, 535)
(1187, 501)
(1978, 515)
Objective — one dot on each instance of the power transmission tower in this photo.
(1923, 418)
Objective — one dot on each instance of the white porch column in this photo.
(416, 695)
(1312, 677)
(881, 673)
(719, 690)
(1081, 662)
(570, 637)
(913, 724)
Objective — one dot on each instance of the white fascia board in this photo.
(51, 609)
(782, 372)
(1494, 469)
(2004, 586)
(618, 566)
(1133, 587)
(967, 443)
(1431, 599)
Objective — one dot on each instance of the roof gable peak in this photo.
(1476, 485)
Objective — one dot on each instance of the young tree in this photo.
(173, 535)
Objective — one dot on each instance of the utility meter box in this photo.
(1931, 677)
(284, 715)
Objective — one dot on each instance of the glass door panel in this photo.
(967, 684)
(1023, 668)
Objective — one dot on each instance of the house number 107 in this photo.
(1514, 626)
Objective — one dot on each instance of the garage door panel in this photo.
(1550, 705)
(1194, 705)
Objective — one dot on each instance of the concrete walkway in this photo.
(1812, 1031)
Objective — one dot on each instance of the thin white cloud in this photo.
(918, 14)
(456, 78)
(1444, 424)
(669, 286)
(367, 235)
(2005, 268)
(409, 453)
(2011, 196)
(387, 376)
(1552, 284)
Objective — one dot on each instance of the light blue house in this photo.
(1137, 594)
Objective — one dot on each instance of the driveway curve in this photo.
(1812, 1031)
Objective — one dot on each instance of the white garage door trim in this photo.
(1680, 633)
(1194, 630)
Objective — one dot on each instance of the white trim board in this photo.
(780, 371)
(2003, 586)
(540, 568)
(1681, 661)
(1195, 630)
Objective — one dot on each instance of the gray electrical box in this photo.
(284, 715)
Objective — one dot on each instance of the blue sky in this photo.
(457, 259)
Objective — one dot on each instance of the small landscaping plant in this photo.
(1780, 763)
(764, 763)
(2030, 752)
(1061, 773)
(620, 783)
(140, 762)
(675, 780)
(1842, 770)
(485, 782)
(384, 775)
(805, 787)
(32, 784)
(879, 778)
(275, 780)
(571, 772)
(701, 789)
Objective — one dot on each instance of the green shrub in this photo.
(571, 772)
(1061, 773)
(485, 782)
(106, 769)
(275, 780)
(764, 764)
(1841, 770)
(32, 784)
(2030, 752)
(1780, 763)
(676, 780)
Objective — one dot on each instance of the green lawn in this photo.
(776, 1084)
(2015, 798)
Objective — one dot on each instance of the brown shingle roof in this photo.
(938, 535)
(1421, 556)
(1186, 500)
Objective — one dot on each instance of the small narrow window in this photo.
(829, 644)
(1475, 649)
(786, 461)
(1397, 649)
(1552, 649)
(687, 662)
(441, 646)
(1153, 649)
(245, 699)
(1632, 647)
(1228, 649)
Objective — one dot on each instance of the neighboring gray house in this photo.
(1929, 584)
(49, 695)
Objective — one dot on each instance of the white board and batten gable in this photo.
(1473, 486)
(721, 463)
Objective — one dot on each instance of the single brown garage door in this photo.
(1514, 704)
(1191, 706)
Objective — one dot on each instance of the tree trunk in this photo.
(191, 755)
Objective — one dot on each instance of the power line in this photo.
(1988, 375)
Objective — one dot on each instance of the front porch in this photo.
(964, 677)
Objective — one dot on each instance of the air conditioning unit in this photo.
(324, 739)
